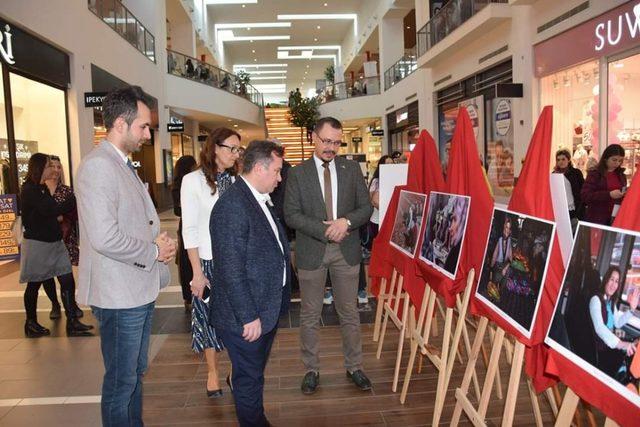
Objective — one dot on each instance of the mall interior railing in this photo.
(191, 68)
(446, 20)
(350, 89)
(122, 21)
(401, 69)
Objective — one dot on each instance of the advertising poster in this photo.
(447, 124)
(595, 323)
(444, 232)
(8, 214)
(409, 216)
(514, 267)
(500, 166)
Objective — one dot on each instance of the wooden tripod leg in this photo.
(498, 378)
(610, 423)
(408, 373)
(492, 372)
(568, 408)
(534, 403)
(471, 366)
(401, 339)
(552, 399)
(379, 307)
(383, 331)
(514, 382)
(443, 380)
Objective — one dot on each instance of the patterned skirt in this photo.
(202, 333)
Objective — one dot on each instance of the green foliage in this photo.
(304, 111)
(243, 77)
(329, 74)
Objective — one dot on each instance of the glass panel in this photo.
(574, 94)
(121, 16)
(93, 6)
(140, 40)
(107, 12)
(5, 173)
(131, 28)
(176, 147)
(187, 145)
(150, 46)
(623, 114)
(40, 122)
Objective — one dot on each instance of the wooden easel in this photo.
(391, 310)
(568, 409)
(443, 358)
(382, 297)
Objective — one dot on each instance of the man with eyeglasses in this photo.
(326, 202)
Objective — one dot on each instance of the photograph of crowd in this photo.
(596, 323)
(514, 266)
(409, 216)
(444, 232)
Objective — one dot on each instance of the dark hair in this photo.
(259, 151)
(334, 123)
(37, 164)
(610, 151)
(563, 152)
(382, 161)
(123, 103)
(396, 155)
(184, 165)
(208, 155)
(616, 296)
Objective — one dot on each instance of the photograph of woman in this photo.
(409, 215)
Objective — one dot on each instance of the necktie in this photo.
(328, 192)
(130, 165)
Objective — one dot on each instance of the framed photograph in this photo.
(596, 319)
(444, 232)
(408, 223)
(514, 267)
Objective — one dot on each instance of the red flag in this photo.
(425, 172)
(582, 381)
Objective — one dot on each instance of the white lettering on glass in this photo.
(7, 52)
(633, 28)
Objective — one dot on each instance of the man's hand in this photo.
(198, 284)
(166, 248)
(337, 230)
(252, 330)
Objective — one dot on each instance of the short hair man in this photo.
(250, 271)
(327, 238)
(123, 255)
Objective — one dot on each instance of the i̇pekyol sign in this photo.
(6, 45)
(610, 32)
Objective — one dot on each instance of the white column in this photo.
(391, 36)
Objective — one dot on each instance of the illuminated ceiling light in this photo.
(318, 27)
(250, 25)
(271, 88)
(319, 47)
(268, 78)
(311, 16)
(229, 120)
(244, 5)
(208, 2)
(253, 51)
(325, 5)
(258, 65)
(252, 38)
(235, 126)
(257, 73)
(255, 60)
(315, 39)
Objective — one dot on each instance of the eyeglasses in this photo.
(328, 141)
(233, 149)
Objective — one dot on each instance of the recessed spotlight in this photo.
(235, 126)
(249, 28)
(325, 5)
(244, 5)
(255, 60)
(253, 51)
(307, 66)
(229, 120)
(315, 39)
(251, 41)
(305, 72)
(318, 27)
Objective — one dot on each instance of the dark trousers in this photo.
(248, 360)
(124, 339)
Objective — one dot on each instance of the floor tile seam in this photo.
(50, 400)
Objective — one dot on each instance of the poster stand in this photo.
(397, 300)
(382, 297)
(443, 358)
(568, 410)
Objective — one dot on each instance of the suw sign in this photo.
(610, 32)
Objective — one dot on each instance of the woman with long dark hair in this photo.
(605, 317)
(43, 253)
(605, 186)
(199, 192)
(574, 181)
(184, 165)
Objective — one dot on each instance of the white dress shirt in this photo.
(197, 202)
(334, 183)
(263, 199)
(619, 320)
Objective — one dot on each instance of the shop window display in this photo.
(4, 149)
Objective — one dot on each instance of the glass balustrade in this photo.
(401, 69)
(350, 89)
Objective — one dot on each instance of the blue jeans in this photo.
(124, 339)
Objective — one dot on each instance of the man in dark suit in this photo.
(250, 287)
(326, 202)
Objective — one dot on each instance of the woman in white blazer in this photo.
(199, 191)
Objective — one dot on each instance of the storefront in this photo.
(591, 76)
(33, 96)
(492, 121)
(402, 125)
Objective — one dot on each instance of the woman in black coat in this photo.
(575, 179)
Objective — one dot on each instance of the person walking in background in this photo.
(250, 282)
(184, 165)
(605, 186)
(199, 192)
(123, 255)
(573, 184)
(327, 239)
(43, 253)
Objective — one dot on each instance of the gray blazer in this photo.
(304, 211)
(118, 224)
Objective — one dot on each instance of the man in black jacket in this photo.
(251, 263)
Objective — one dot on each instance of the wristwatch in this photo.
(348, 222)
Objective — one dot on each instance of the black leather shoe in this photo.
(310, 382)
(359, 379)
(55, 312)
(214, 393)
(34, 330)
(77, 311)
(77, 329)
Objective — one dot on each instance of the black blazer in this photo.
(248, 264)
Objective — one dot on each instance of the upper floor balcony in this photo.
(122, 21)
(401, 69)
(191, 68)
(350, 89)
(433, 38)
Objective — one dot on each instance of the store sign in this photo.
(8, 214)
(377, 132)
(94, 99)
(610, 32)
(175, 127)
(503, 117)
(356, 139)
(6, 45)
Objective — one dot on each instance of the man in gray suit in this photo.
(123, 256)
(326, 202)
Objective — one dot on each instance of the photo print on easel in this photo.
(444, 232)
(409, 217)
(596, 324)
(514, 267)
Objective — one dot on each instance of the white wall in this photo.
(354, 108)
